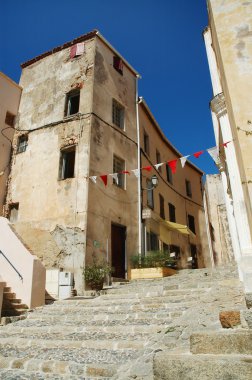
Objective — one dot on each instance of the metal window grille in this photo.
(22, 144)
(118, 167)
(118, 114)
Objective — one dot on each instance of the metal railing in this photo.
(6, 258)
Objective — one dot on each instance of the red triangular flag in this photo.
(104, 179)
(197, 154)
(173, 165)
(125, 172)
(225, 144)
(148, 168)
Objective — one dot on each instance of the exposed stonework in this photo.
(230, 319)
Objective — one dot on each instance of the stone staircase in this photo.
(12, 306)
(136, 330)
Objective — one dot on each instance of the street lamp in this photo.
(154, 183)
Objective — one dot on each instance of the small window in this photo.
(150, 194)
(22, 143)
(169, 174)
(67, 163)
(158, 159)
(152, 241)
(191, 223)
(161, 203)
(118, 64)
(10, 119)
(172, 212)
(146, 144)
(13, 212)
(118, 114)
(118, 167)
(72, 103)
(188, 188)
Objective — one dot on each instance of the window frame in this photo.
(10, 119)
(191, 223)
(118, 64)
(117, 169)
(169, 175)
(150, 194)
(146, 143)
(22, 143)
(158, 159)
(188, 188)
(172, 212)
(161, 206)
(70, 95)
(119, 122)
(62, 163)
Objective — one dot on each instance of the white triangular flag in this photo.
(214, 153)
(115, 177)
(93, 178)
(158, 165)
(183, 160)
(136, 172)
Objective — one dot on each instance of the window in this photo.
(150, 194)
(22, 143)
(152, 242)
(172, 213)
(13, 212)
(118, 167)
(158, 159)
(67, 163)
(146, 144)
(191, 223)
(118, 114)
(169, 174)
(161, 204)
(175, 249)
(194, 256)
(118, 64)
(9, 119)
(72, 103)
(188, 188)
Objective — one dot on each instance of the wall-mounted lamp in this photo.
(154, 182)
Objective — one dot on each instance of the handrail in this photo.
(6, 258)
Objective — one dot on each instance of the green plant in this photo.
(153, 259)
(96, 273)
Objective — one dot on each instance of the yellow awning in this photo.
(181, 228)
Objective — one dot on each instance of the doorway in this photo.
(118, 238)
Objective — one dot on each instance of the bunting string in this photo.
(213, 152)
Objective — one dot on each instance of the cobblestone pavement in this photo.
(116, 334)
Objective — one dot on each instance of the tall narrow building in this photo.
(229, 51)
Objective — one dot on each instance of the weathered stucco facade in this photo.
(78, 119)
(219, 234)
(229, 49)
(10, 94)
(180, 193)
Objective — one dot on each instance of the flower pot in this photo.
(144, 273)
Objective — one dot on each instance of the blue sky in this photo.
(161, 39)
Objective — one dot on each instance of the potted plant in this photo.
(155, 264)
(96, 273)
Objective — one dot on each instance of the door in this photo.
(194, 256)
(118, 237)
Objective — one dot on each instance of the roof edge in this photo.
(150, 114)
(11, 80)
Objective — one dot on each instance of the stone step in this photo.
(9, 295)
(76, 351)
(100, 344)
(203, 367)
(222, 342)
(11, 301)
(13, 312)
(29, 368)
(7, 289)
(15, 305)
(92, 331)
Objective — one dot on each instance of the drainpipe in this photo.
(138, 167)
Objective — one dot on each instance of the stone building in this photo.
(229, 51)
(79, 121)
(219, 234)
(10, 93)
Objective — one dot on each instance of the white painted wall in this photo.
(32, 288)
